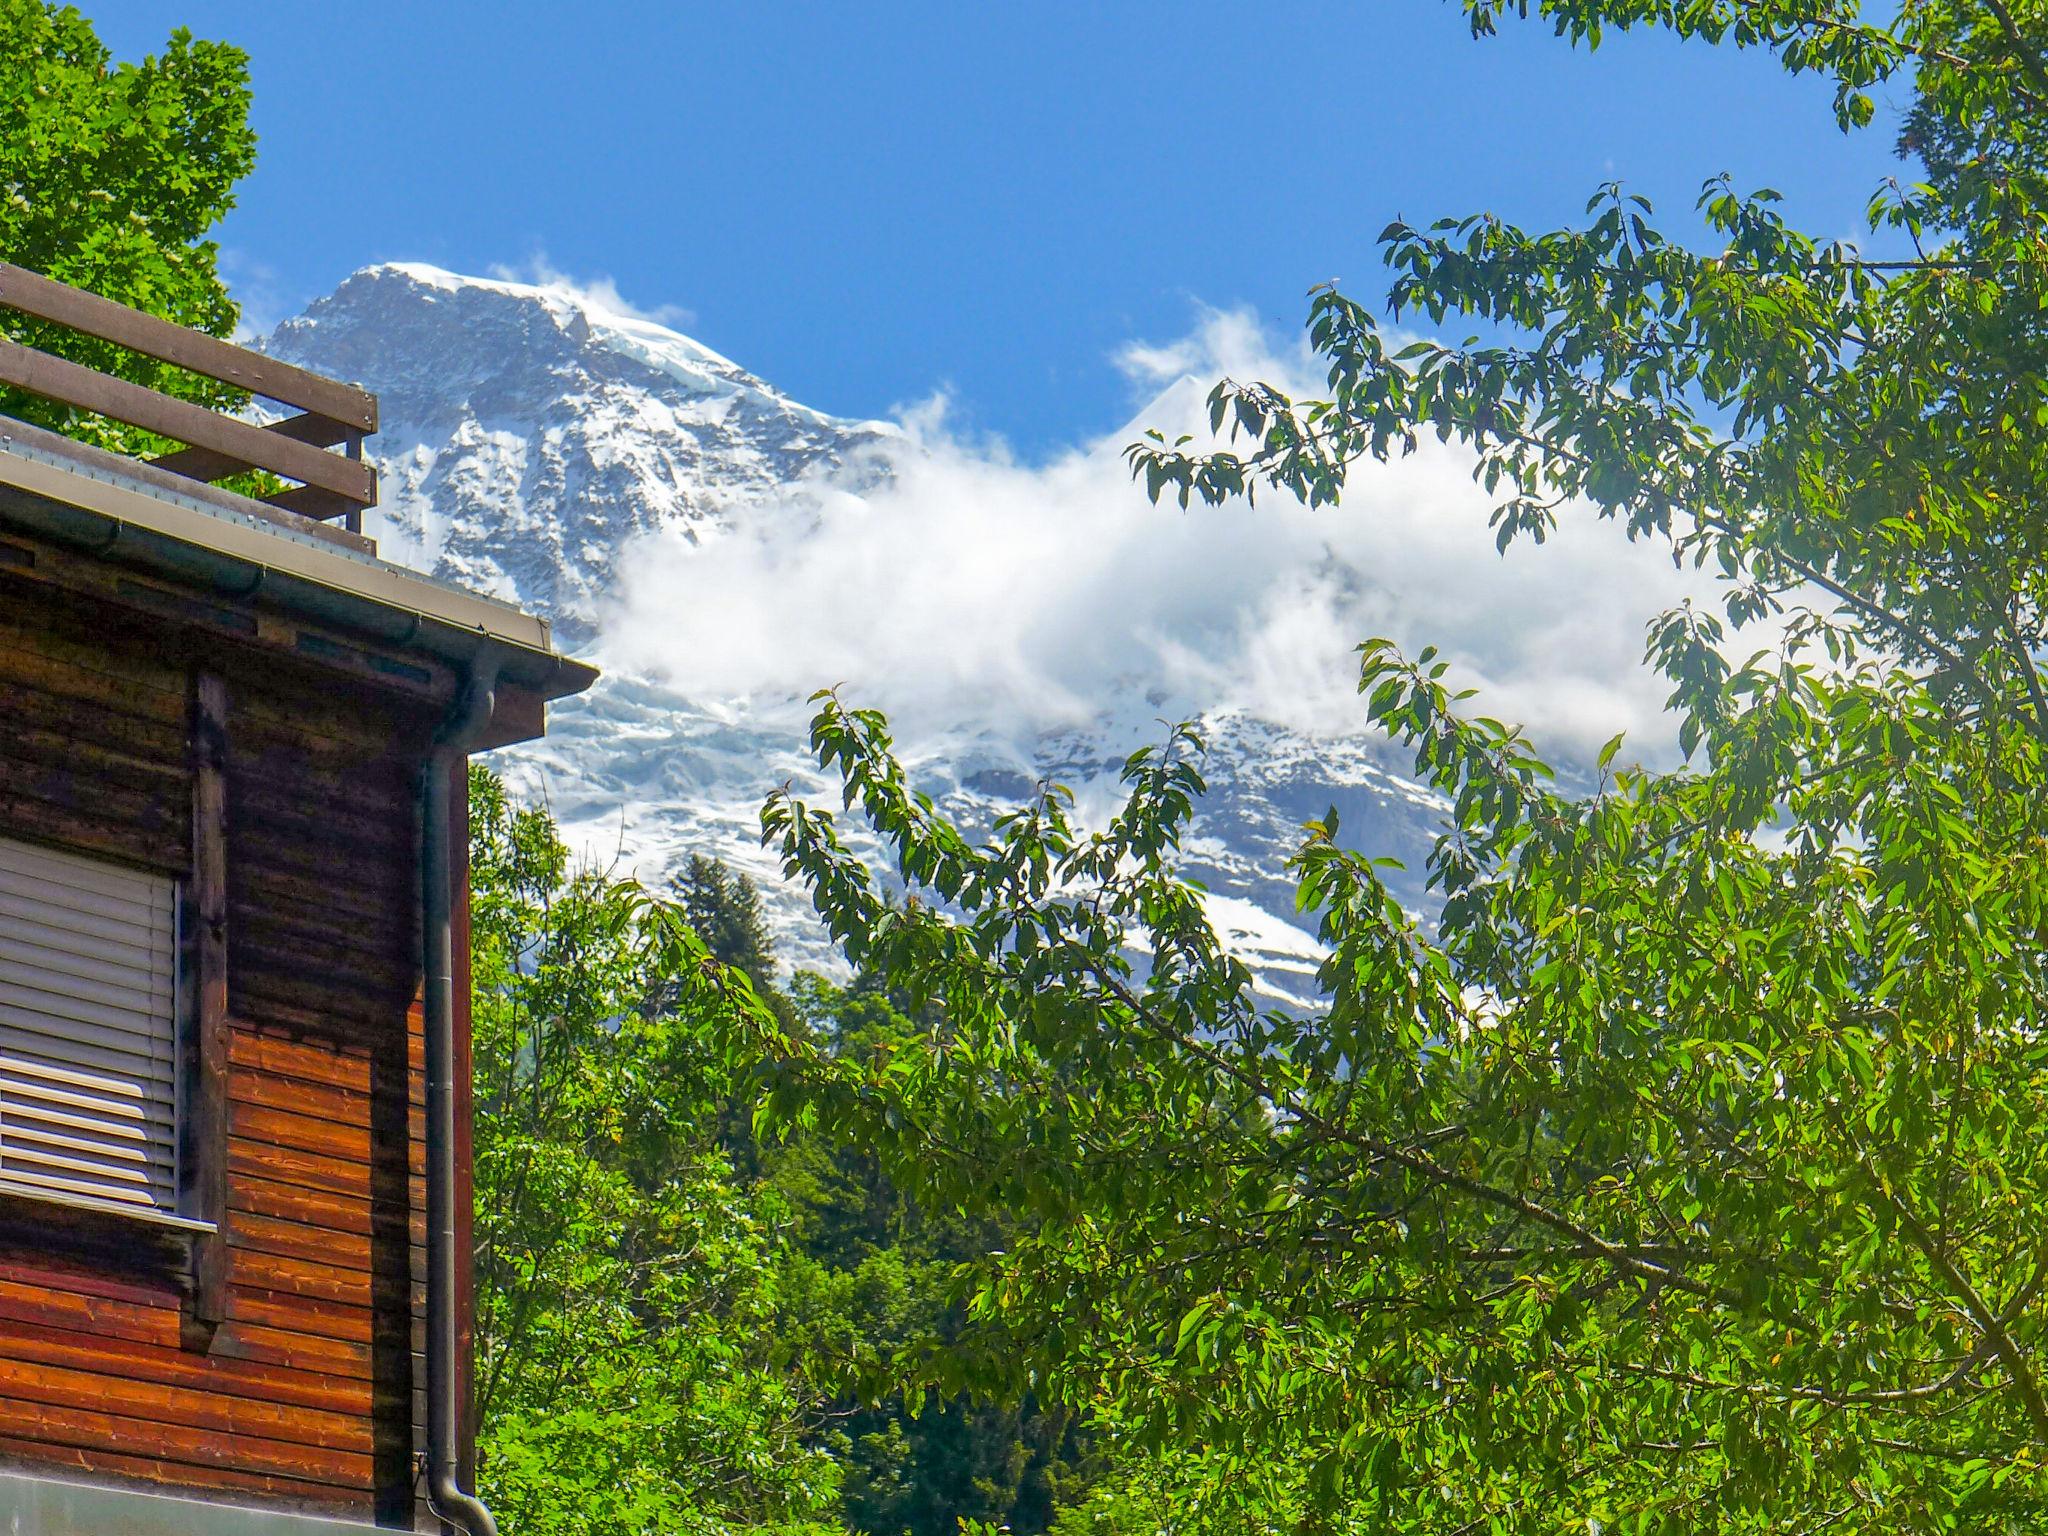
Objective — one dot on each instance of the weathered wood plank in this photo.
(311, 501)
(360, 838)
(302, 1223)
(206, 1130)
(330, 1063)
(277, 1009)
(44, 1306)
(52, 1345)
(143, 833)
(272, 816)
(283, 1128)
(343, 1106)
(298, 1240)
(317, 1208)
(371, 722)
(303, 1315)
(33, 294)
(306, 1352)
(134, 1397)
(51, 730)
(55, 378)
(55, 779)
(258, 1117)
(201, 464)
(270, 995)
(380, 740)
(378, 966)
(308, 1170)
(53, 674)
(361, 770)
(299, 875)
(79, 1274)
(321, 1282)
(120, 731)
(91, 1462)
(91, 1429)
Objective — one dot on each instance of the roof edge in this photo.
(209, 539)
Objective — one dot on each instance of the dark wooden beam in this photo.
(204, 464)
(206, 1125)
(311, 501)
(250, 446)
(32, 294)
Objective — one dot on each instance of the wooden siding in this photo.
(307, 1390)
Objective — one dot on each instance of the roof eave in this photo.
(63, 494)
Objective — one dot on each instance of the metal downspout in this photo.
(465, 723)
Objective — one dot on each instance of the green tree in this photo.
(111, 177)
(1683, 1170)
(637, 1300)
(915, 1461)
(680, 1328)
(725, 909)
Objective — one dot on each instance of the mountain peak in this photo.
(555, 316)
(531, 430)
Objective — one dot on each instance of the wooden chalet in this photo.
(234, 1021)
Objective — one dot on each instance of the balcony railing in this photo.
(331, 415)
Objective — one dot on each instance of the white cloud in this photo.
(1223, 343)
(974, 591)
(599, 293)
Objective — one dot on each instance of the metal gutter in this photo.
(76, 500)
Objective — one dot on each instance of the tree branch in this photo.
(2024, 56)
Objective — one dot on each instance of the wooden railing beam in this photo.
(204, 464)
(246, 445)
(311, 501)
(33, 294)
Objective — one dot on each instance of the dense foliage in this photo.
(680, 1329)
(1681, 1169)
(111, 176)
(629, 1285)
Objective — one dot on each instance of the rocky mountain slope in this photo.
(535, 441)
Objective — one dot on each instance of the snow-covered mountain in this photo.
(528, 438)
(539, 444)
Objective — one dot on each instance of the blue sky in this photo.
(869, 203)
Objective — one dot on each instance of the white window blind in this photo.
(88, 1028)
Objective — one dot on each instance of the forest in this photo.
(1677, 1169)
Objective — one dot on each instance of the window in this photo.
(88, 1030)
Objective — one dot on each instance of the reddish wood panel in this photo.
(107, 1356)
(307, 1391)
